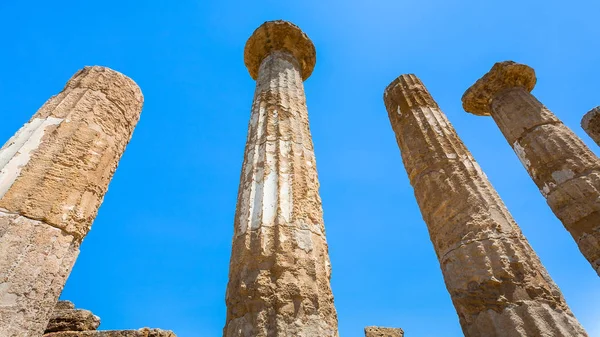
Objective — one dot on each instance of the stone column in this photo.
(591, 124)
(496, 281)
(566, 172)
(279, 270)
(53, 176)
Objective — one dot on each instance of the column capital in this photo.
(283, 36)
(589, 116)
(503, 75)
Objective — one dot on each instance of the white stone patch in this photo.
(451, 155)
(285, 188)
(546, 189)
(303, 239)
(562, 175)
(17, 153)
(270, 190)
(520, 151)
(397, 110)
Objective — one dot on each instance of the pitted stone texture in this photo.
(279, 36)
(72, 320)
(279, 279)
(496, 281)
(58, 165)
(53, 176)
(591, 124)
(564, 169)
(145, 332)
(36, 261)
(375, 331)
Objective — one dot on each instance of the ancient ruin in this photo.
(564, 169)
(53, 176)
(279, 270)
(66, 321)
(375, 331)
(591, 124)
(496, 281)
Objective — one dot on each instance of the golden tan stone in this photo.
(53, 176)
(496, 281)
(564, 169)
(145, 332)
(279, 271)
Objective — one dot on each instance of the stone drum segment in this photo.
(496, 281)
(565, 171)
(54, 173)
(279, 271)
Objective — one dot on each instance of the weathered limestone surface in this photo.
(145, 332)
(375, 331)
(566, 172)
(591, 124)
(279, 270)
(53, 176)
(496, 281)
(65, 317)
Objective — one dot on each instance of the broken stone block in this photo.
(375, 331)
(72, 320)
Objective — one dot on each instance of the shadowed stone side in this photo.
(591, 124)
(564, 169)
(65, 317)
(496, 281)
(53, 176)
(374, 331)
(279, 271)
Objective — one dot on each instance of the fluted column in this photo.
(53, 176)
(495, 279)
(591, 124)
(279, 271)
(566, 172)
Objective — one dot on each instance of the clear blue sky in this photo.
(158, 252)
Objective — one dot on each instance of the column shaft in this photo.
(280, 270)
(53, 176)
(496, 281)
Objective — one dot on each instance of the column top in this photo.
(589, 116)
(407, 91)
(279, 35)
(503, 75)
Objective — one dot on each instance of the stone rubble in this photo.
(375, 331)
(564, 169)
(66, 321)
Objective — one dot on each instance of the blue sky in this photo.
(158, 252)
